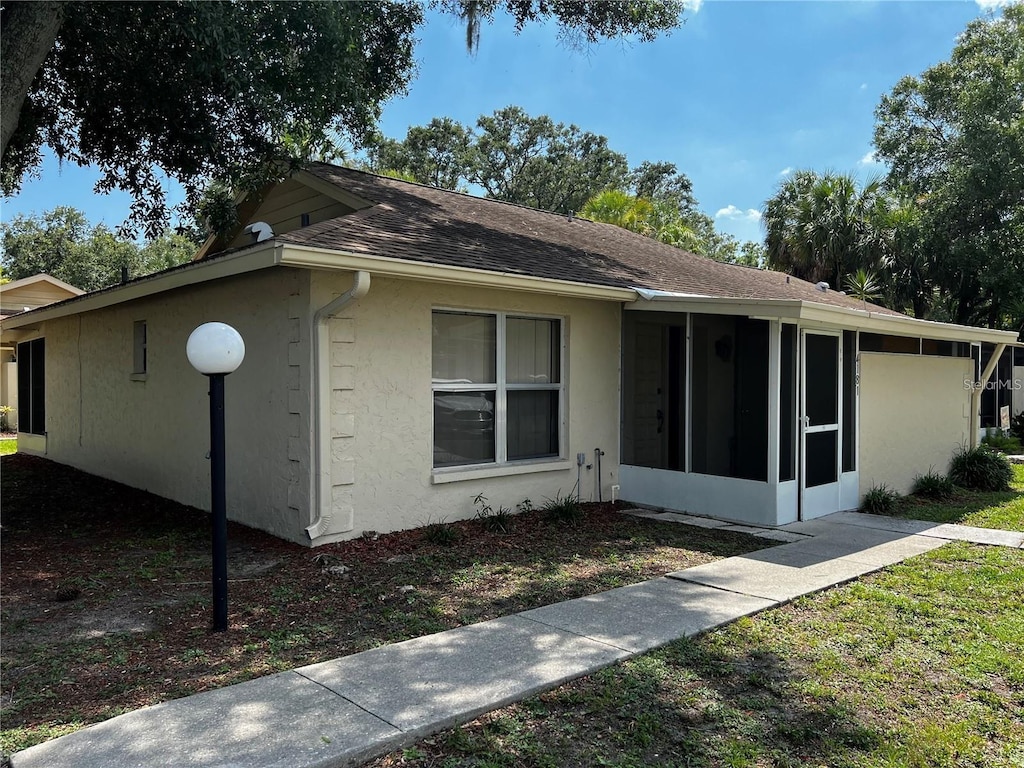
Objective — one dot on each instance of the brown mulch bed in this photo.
(106, 591)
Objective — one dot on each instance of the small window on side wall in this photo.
(141, 362)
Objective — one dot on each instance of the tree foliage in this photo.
(231, 91)
(61, 243)
(824, 227)
(954, 138)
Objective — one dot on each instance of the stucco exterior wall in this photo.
(152, 432)
(382, 406)
(914, 412)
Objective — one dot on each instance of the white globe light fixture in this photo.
(215, 348)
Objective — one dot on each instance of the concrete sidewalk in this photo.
(346, 711)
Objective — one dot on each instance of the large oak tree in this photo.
(203, 90)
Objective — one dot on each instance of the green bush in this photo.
(1017, 426)
(492, 521)
(880, 500)
(441, 533)
(996, 440)
(981, 468)
(933, 486)
(563, 509)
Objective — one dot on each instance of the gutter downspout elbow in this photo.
(321, 487)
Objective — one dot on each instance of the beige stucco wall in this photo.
(382, 403)
(154, 434)
(914, 413)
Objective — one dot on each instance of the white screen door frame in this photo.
(821, 422)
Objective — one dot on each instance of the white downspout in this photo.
(321, 491)
(979, 388)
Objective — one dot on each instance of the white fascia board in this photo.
(261, 256)
(824, 315)
(382, 266)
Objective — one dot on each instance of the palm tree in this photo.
(863, 285)
(821, 227)
(613, 206)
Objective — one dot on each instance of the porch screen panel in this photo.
(849, 401)
(729, 398)
(654, 390)
(788, 405)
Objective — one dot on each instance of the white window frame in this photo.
(501, 388)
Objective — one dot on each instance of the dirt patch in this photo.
(132, 571)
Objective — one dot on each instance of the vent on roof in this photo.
(822, 286)
(260, 231)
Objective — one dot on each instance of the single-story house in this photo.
(19, 296)
(408, 348)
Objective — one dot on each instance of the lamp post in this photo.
(215, 350)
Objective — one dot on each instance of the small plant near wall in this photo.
(880, 500)
(933, 486)
(5, 414)
(442, 533)
(492, 521)
(981, 469)
(564, 510)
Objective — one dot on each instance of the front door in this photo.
(821, 419)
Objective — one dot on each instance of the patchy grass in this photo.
(105, 591)
(993, 509)
(921, 665)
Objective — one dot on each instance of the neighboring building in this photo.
(408, 348)
(22, 296)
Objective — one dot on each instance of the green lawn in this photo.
(918, 666)
(8, 445)
(985, 510)
(921, 665)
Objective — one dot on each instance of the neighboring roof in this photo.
(425, 224)
(25, 282)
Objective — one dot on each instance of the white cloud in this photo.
(988, 5)
(786, 171)
(863, 86)
(738, 214)
(693, 5)
(870, 159)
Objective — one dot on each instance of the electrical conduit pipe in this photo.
(321, 490)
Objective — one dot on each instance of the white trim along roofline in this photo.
(272, 253)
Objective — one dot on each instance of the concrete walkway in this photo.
(349, 710)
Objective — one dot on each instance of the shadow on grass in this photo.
(689, 704)
(106, 606)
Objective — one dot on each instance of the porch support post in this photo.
(979, 387)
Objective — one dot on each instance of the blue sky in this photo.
(742, 94)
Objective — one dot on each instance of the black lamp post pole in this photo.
(218, 504)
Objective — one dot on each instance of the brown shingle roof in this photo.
(435, 226)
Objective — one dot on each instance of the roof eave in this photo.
(384, 266)
(825, 315)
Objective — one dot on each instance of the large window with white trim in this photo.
(497, 387)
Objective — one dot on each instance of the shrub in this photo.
(996, 440)
(933, 486)
(1017, 426)
(563, 509)
(491, 521)
(441, 533)
(880, 500)
(981, 469)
